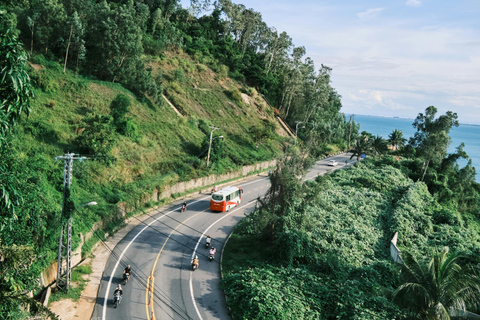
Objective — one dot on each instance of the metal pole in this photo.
(350, 129)
(66, 227)
(66, 179)
(68, 269)
(210, 145)
(296, 131)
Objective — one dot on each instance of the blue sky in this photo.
(389, 58)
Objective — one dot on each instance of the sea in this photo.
(466, 133)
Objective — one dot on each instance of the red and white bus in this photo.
(226, 198)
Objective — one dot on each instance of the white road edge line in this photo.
(104, 313)
(195, 250)
(200, 239)
(104, 310)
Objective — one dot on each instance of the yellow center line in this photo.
(151, 278)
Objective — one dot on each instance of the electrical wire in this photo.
(163, 296)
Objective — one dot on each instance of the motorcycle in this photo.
(184, 208)
(126, 276)
(194, 266)
(208, 242)
(212, 254)
(116, 299)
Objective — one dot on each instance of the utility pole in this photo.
(64, 247)
(210, 145)
(296, 130)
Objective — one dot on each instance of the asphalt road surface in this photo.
(160, 250)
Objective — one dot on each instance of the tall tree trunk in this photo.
(425, 171)
(68, 47)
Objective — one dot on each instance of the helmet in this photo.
(196, 257)
(128, 266)
(208, 236)
(119, 286)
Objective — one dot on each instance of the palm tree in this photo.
(396, 139)
(379, 145)
(363, 145)
(434, 288)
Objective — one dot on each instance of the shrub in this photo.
(235, 95)
(120, 106)
(222, 72)
(131, 129)
(178, 75)
(178, 89)
(198, 56)
(201, 67)
(252, 92)
(98, 138)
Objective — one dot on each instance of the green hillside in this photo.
(160, 141)
(136, 87)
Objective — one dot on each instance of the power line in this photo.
(163, 298)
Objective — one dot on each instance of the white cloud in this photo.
(370, 13)
(414, 3)
(374, 100)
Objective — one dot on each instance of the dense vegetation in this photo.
(88, 77)
(325, 244)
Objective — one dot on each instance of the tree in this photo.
(15, 87)
(396, 139)
(363, 145)
(431, 139)
(75, 39)
(379, 145)
(49, 16)
(436, 287)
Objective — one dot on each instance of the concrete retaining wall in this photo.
(50, 274)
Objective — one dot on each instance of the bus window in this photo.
(217, 197)
(229, 197)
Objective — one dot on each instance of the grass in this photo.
(164, 153)
(77, 285)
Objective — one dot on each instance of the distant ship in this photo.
(396, 117)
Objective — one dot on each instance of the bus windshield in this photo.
(217, 197)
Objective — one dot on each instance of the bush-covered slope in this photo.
(330, 257)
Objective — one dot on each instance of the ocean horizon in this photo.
(466, 133)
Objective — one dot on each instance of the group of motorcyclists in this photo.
(118, 293)
(211, 256)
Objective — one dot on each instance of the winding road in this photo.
(160, 250)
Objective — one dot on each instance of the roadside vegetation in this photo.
(90, 78)
(321, 249)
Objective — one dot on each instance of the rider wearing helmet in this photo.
(208, 241)
(212, 251)
(128, 271)
(195, 261)
(118, 289)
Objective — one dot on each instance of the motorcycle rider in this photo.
(208, 241)
(212, 252)
(195, 261)
(214, 189)
(184, 205)
(118, 289)
(128, 271)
